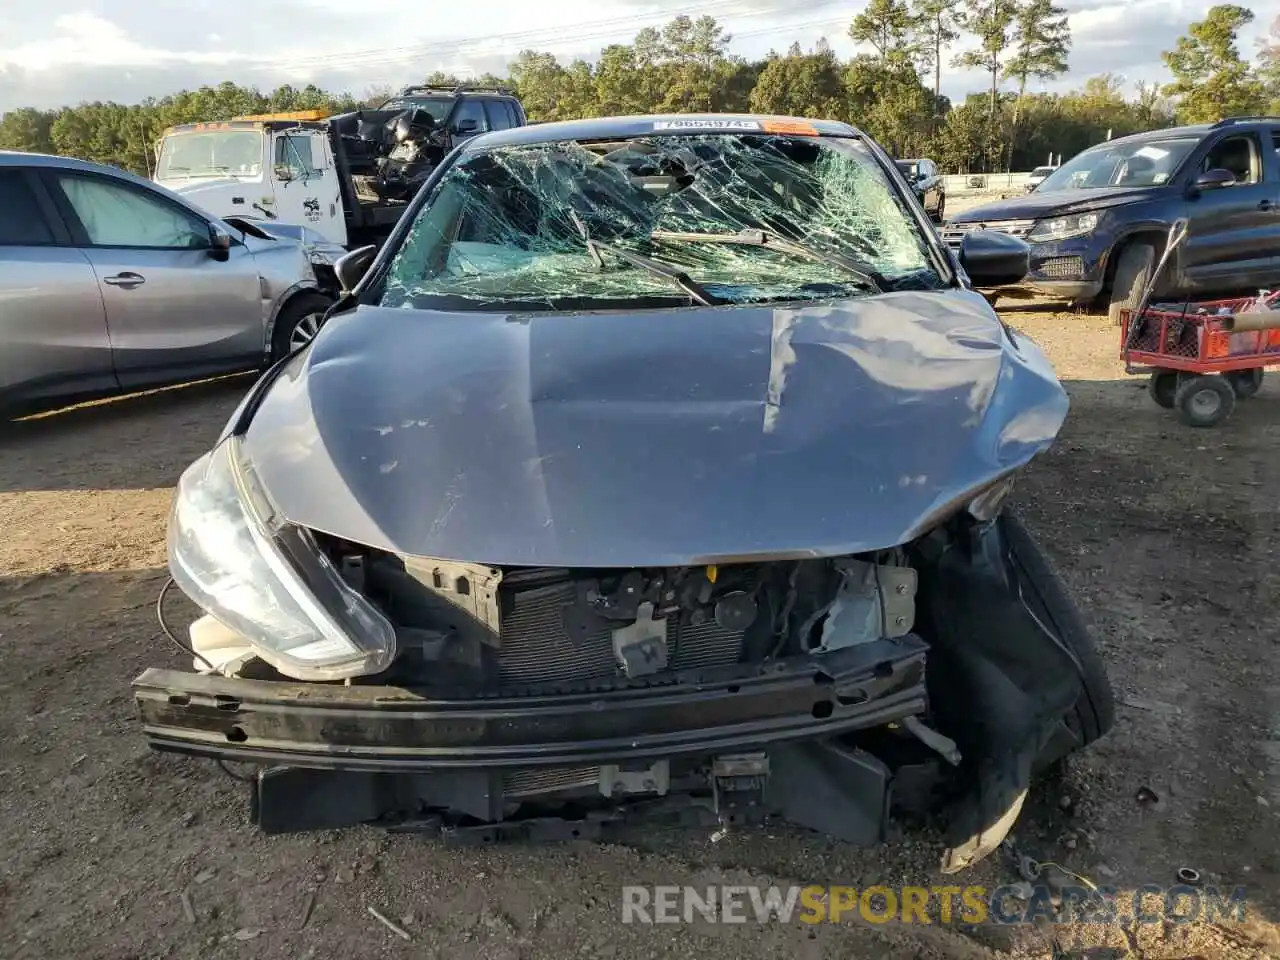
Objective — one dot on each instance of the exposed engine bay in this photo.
(390, 152)
(538, 626)
(903, 712)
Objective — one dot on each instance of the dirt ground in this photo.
(1166, 535)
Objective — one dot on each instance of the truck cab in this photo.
(277, 167)
(348, 177)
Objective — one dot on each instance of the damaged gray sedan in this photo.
(655, 468)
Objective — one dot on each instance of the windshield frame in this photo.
(173, 136)
(370, 290)
(1130, 147)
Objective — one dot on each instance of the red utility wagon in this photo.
(1203, 356)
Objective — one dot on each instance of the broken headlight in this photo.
(231, 553)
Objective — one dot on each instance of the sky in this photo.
(57, 52)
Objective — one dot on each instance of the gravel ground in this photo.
(1166, 536)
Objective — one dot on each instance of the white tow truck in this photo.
(347, 177)
(272, 167)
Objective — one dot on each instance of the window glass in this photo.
(499, 119)
(117, 215)
(511, 225)
(218, 153)
(22, 223)
(1149, 162)
(1238, 155)
(471, 110)
(293, 151)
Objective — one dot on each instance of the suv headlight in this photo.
(1060, 228)
(231, 553)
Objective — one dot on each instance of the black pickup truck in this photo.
(384, 154)
(1098, 224)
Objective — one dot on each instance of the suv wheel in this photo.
(1133, 273)
(298, 322)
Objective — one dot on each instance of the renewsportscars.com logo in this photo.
(971, 905)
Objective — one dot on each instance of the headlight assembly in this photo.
(267, 579)
(1060, 228)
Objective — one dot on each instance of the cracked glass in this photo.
(656, 220)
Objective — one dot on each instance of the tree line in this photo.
(893, 92)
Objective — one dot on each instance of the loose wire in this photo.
(164, 627)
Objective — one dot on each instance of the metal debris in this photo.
(1145, 794)
(1188, 876)
(307, 907)
(400, 932)
(187, 908)
(244, 933)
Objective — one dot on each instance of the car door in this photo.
(174, 310)
(305, 188)
(53, 327)
(1232, 242)
(933, 186)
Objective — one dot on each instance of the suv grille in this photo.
(953, 233)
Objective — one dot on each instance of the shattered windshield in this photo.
(210, 154)
(1144, 164)
(716, 218)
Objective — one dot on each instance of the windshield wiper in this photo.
(656, 267)
(770, 241)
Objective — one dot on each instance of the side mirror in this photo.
(350, 268)
(219, 243)
(1215, 179)
(469, 125)
(994, 259)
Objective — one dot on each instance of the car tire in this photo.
(1204, 401)
(298, 321)
(1133, 273)
(1163, 387)
(941, 215)
(1245, 383)
(1094, 713)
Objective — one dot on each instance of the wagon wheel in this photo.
(1163, 386)
(1204, 401)
(1245, 382)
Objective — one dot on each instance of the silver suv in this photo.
(110, 283)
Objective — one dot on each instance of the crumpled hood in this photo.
(1033, 206)
(654, 438)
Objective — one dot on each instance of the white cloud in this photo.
(84, 39)
(60, 52)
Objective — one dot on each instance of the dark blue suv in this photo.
(1098, 224)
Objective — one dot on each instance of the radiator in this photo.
(536, 649)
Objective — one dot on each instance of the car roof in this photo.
(14, 158)
(625, 128)
(1165, 133)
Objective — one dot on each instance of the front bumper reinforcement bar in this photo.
(399, 729)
